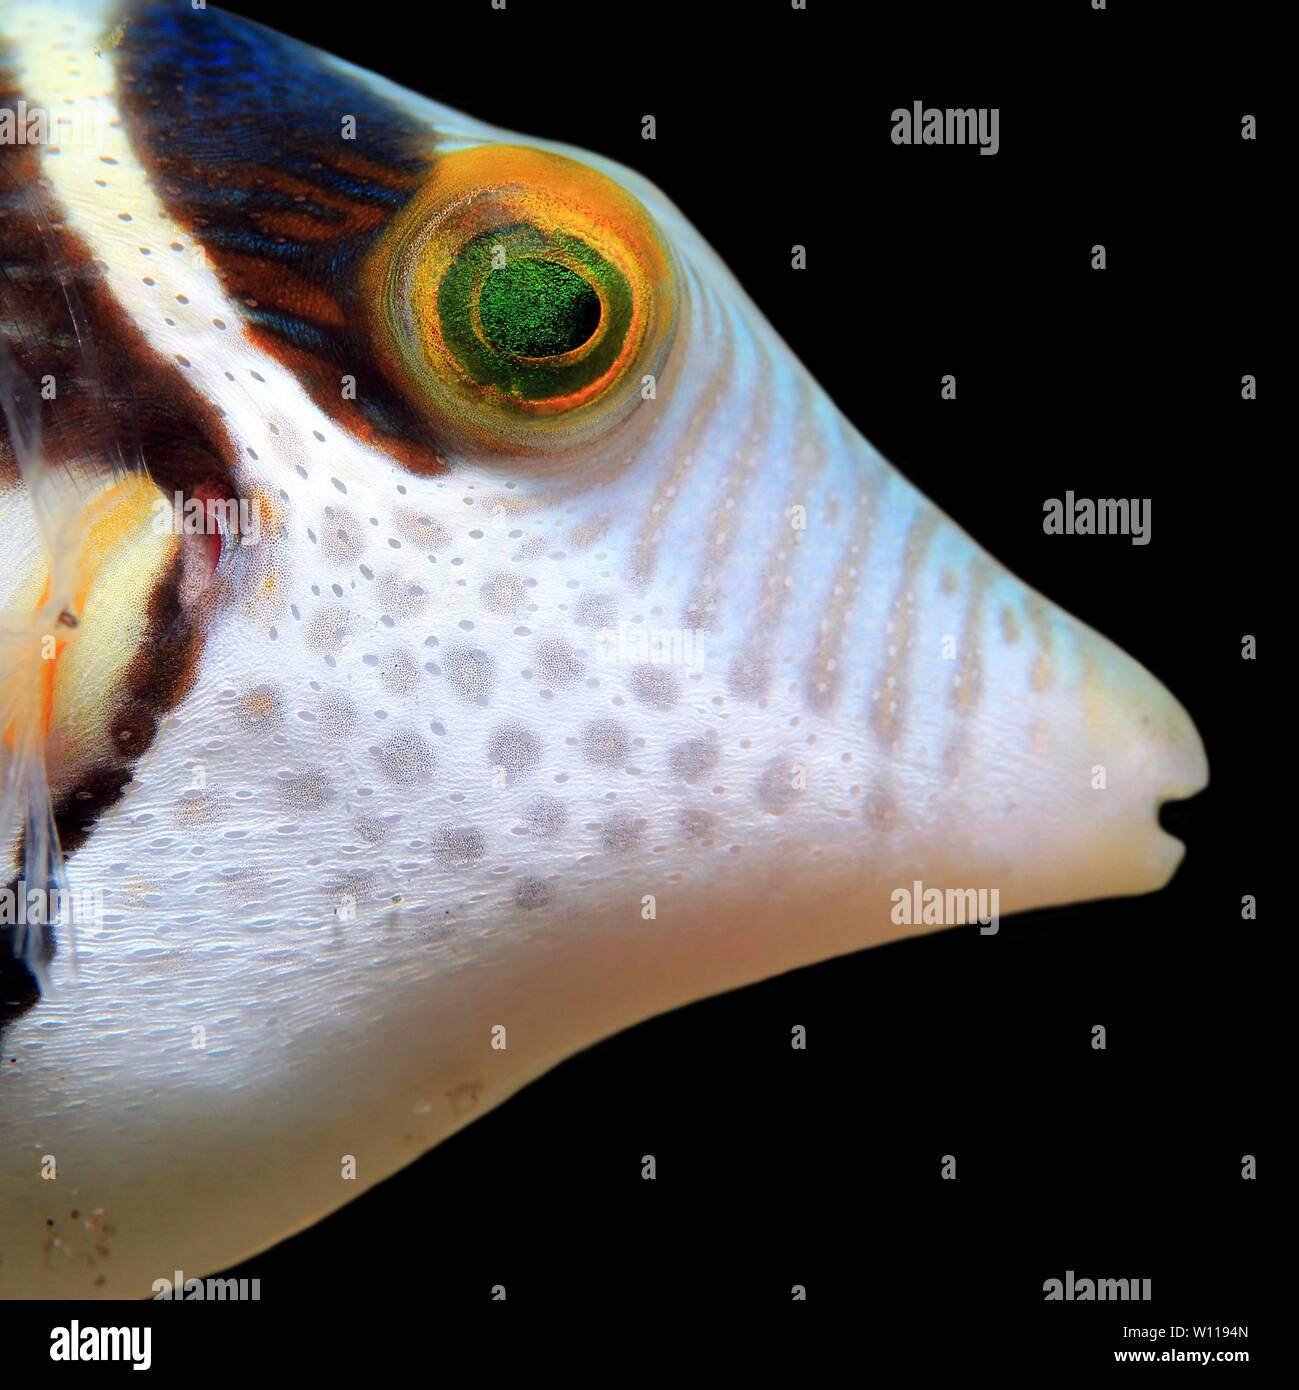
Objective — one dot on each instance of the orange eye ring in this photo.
(568, 235)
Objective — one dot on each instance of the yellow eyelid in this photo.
(482, 189)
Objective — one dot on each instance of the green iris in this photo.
(537, 309)
(534, 306)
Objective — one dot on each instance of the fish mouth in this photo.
(1145, 760)
(1187, 775)
(1168, 754)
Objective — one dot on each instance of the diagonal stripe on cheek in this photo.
(285, 170)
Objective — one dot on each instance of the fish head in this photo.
(513, 639)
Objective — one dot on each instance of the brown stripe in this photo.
(644, 557)
(700, 610)
(890, 695)
(967, 688)
(1043, 666)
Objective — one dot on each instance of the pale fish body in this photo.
(385, 788)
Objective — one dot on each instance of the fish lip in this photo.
(1191, 779)
(1195, 759)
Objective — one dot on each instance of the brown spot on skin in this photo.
(879, 809)
(400, 596)
(532, 547)
(459, 846)
(780, 784)
(305, 791)
(546, 816)
(748, 677)
(514, 747)
(398, 673)
(471, 673)
(195, 809)
(532, 892)
(599, 611)
(336, 714)
(1010, 629)
(342, 540)
(586, 533)
(326, 629)
(135, 892)
(696, 825)
(503, 593)
(699, 611)
(693, 758)
(557, 663)
(420, 529)
(620, 831)
(246, 883)
(350, 886)
(605, 743)
(659, 687)
(270, 513)
(259, 708)
(372, 829)
(266, 597)
(407, 760)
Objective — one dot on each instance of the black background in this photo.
(821, 1168)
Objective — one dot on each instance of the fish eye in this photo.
(520, 299)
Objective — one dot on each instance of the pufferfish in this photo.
(443, 625)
